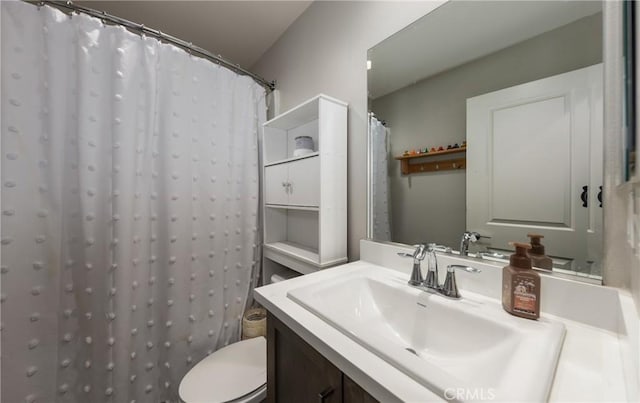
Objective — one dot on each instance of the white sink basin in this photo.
(467, 349)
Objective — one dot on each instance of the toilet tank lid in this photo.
(227, 374)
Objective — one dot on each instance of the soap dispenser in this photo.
(538, 258)
(521, 284)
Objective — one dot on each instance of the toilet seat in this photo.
(235, 373)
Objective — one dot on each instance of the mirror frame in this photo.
(630, 144)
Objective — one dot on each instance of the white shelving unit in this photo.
(305, 197)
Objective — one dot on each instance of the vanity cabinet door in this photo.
(353, 393)
(295, 371)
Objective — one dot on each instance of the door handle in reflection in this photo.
(600, 196)
(584, 196)
(324, 394)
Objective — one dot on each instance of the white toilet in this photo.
(236, 373)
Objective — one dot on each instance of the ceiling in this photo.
(239, 31)
(461, 31)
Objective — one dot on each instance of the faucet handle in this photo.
(441, 248)
(421, 251)
(450, 286)
(418, 254)
(452, 267)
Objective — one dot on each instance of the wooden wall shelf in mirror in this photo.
(409, 165)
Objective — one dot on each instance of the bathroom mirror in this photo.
(511, 93)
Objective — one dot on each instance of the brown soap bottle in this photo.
(521, 284)
(538, 258)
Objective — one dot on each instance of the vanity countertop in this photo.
(591, 365)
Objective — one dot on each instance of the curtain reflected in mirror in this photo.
(380, 203)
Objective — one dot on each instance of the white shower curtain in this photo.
(129, 209)
(381, 221)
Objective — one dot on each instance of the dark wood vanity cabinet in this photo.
(297, 373)
(353, 393)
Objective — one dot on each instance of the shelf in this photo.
(302, 113)
(297, 257)
(295, 250)
(290, 207)
(272, 268)
(433, 153)
(314, 154)
(408, 168)
(304, 209)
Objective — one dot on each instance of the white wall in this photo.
(325, 51)
(622, 266)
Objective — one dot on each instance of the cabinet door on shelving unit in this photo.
(276, 184)
(304, 177)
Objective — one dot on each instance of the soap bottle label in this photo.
(524, 297)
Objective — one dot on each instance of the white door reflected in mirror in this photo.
(535, 165)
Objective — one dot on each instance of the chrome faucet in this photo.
(432, 268)
(431, 284)
(467, 237)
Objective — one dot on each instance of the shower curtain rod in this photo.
(140, 28)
